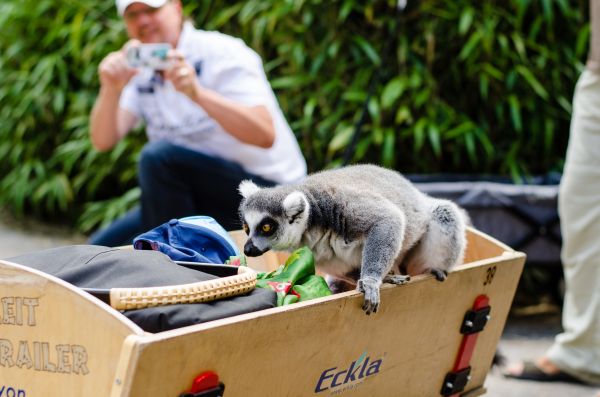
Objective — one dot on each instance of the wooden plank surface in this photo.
(330, 347)
(481, 246)
(56, 340)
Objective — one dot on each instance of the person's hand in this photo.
(182, 75)
(114, 71)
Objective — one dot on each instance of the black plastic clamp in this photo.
(456, 381)
(475, 321)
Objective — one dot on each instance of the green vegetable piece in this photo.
(299, 265)
(281, 298)
(289, 299)
(312, 287)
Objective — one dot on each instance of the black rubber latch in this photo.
(455, 382)
(214, 392)
(475, 320)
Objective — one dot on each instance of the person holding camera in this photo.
(211, 118)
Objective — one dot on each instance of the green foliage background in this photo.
(458, 87)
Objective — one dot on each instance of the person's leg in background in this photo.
(178, 182)
(576, 351)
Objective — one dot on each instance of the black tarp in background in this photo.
(523, 216)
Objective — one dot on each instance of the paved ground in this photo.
(20, 237)
(525, 336)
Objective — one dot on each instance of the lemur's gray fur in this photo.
(364, 224)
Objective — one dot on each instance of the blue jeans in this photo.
(178, 182)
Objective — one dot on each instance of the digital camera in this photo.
(153, 56)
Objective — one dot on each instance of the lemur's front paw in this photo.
(396, 279)
(370, 287)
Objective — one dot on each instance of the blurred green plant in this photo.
(49, 52)
(469, 87)
(458, 87)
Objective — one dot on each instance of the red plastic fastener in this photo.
(468, 343)
(205, 381)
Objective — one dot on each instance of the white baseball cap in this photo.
(123, 4)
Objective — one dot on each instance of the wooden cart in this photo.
(57, 340)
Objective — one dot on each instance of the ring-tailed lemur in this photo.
(363, 223)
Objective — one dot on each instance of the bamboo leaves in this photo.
(462, 86)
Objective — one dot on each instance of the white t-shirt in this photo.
(227, 66)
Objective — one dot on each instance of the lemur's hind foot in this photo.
(440, 275)
(396, 279)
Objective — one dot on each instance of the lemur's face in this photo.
(272, 219)
(263, 231)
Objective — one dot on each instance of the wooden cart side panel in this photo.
(125, 366)
(330, 347)
(54, 338)
(481, 246)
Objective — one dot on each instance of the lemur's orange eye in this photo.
(246, 229)
(266, 228)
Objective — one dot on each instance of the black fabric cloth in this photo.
(90, 266)
(525, 217)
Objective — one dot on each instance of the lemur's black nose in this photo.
(251, 250)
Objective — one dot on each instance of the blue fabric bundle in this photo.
(192, 239)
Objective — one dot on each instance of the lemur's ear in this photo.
(295, 205)
(247, 188)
